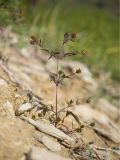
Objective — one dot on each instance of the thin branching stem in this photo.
(56, 105)
(56, 95)
(59, 76)
(70, 76)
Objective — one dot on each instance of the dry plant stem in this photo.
(56, 104)
(98, 158)
(59, 76)
(63, 109)
(56, 96)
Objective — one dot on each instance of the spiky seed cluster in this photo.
(69, 37)
(58, 54)
(35, 40)
(78, 71)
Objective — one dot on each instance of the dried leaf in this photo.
(71, 53)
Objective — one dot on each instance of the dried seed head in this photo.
(60, 72)
(3, 58)
(82, 126)
(92, 124)
(88, 100)
(33, 117)
(73, 35)
(71, 101)
(78, 71)
(33, 37)
(83, 52)
(33, 40)
(69, 37)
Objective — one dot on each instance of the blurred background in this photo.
(95, 22)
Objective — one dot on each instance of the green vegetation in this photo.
(97, 30)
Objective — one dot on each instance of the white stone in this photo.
(24, 107)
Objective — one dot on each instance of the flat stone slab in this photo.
(43, 154)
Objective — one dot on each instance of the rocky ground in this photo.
(90, 129)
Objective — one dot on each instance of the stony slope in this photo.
(25, 75)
